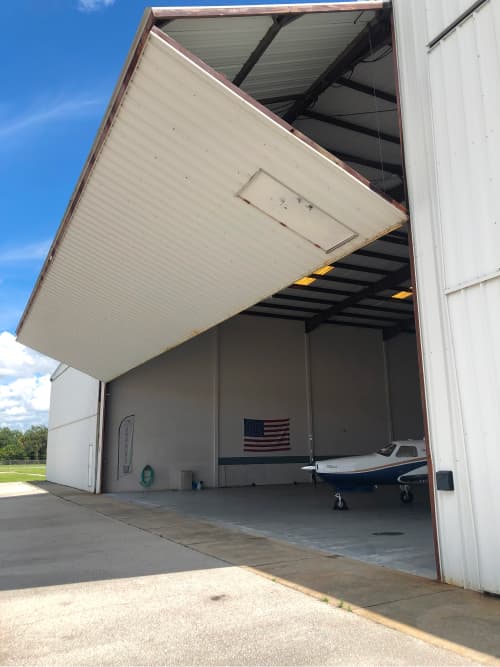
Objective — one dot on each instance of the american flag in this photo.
(266, 435)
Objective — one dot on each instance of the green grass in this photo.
(22, 473)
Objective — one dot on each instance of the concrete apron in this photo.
(451, 618)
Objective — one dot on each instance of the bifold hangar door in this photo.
(196, 203)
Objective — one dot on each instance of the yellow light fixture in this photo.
(305, 281)
(402, 295)
(324, 270)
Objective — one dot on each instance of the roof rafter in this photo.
(398, 240)
(390, 280)
(374, 35)
(329, 302)
(352, 127)
(266, 101)
(381, 255)
(388, 167)
(312, 289)
(306, 309)
(278, 23)
(368, 90)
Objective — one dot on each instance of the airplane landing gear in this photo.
(406, 495)
(340, 503)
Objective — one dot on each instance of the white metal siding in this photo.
(465, 87)
(450, 105)
(442, 13)
(160, 247)
(71, 448)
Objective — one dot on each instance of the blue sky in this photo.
(61, 60)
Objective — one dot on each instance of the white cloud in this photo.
(94, 5)
(49, 112)
(31, 251)
(24, 384)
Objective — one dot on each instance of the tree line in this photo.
(30, 445)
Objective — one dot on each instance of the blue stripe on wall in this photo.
(253, 460)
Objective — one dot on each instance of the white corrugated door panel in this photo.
(73, 420)
(199, 204)
(464, 76)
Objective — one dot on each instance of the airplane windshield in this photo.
(387, 451)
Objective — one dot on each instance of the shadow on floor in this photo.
(463, 617)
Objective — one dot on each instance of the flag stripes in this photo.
(266, 435)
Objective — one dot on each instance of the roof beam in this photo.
(380, 255)
(372, 317)
(276, 317)
(352, 127)
(358, 267)
(334, 292)
(278, 23)
(329, 302)
(355, 324)
(392, 312)
(398, 240)
(339, 279)
(388, 167)
(266, 101)
(390, 280)
(284, 306)
(374, 35)
(368, 90)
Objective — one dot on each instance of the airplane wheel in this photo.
(406, 497)
(340, 504)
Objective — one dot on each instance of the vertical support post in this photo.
(215, 406)
(309, 405)
(100, 437)
(387, 379)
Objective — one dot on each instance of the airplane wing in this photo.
(418, 475)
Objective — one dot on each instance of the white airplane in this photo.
(403, 462)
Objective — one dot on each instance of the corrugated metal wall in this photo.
(451, 111)
(71, 450)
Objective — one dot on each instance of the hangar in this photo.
(249, 241)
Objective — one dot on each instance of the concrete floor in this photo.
(78, 587)
(303, 515)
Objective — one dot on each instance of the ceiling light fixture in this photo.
(402, 295)
(323, 270)
(305, 281)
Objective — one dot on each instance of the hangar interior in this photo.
(333, 351)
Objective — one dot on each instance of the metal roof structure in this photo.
(198, 201)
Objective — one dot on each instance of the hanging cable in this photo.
(380, 152)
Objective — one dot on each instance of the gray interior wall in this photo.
(348, 391)
(262, 376)
(190, 403)
(404, 387)
(171, 397)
